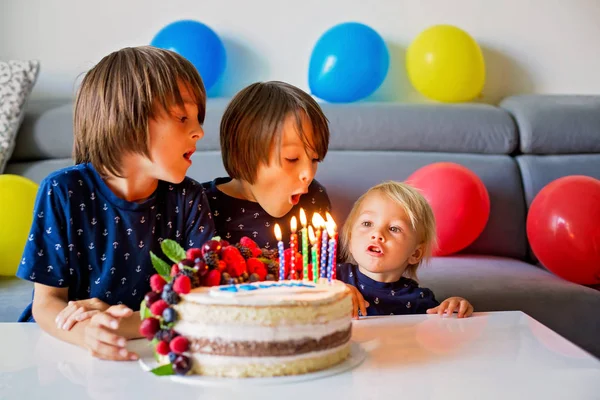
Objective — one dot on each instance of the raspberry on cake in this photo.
(219, 311)
(157, 282)
(182, 284)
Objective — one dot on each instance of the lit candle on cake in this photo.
(281, 253)
(293, 245)
(304, 245)
(323, 273)
(332, 249)
(314, 245)
(335, 238)
(318, 222)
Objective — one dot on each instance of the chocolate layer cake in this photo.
(266, 328)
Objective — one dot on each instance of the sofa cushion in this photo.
(348, 174)
(494, 283)
(551, 124)
(538, 171)
(37, 170)
(47, 130)
(461, 128)
(16, 82)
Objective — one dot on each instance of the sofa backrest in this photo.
(559, 136)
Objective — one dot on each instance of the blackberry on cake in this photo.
(212, 259)
(244, 251)
(169, 295)
(166, 335)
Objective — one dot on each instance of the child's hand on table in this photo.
(358, 302)
(77, 311)
(451, 304)
(101, 337)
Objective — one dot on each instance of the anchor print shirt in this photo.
(235, 218)
(393, 298)
(98, 245)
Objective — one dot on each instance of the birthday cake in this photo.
(223, 312)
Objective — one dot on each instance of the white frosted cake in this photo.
(266, 328)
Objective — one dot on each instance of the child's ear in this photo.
(417, 255)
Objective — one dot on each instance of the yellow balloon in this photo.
(17, 199)
(445, 63)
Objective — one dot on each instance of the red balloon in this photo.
(563, 228)
(459, 200)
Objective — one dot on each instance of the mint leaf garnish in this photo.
(153, 345)
(173, 250)
(160, 266)
(217, 238)
(266, 261)
(144, 311)
(163, 370)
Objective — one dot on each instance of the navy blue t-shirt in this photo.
(235, 218)
(98, 245)
(395, 298)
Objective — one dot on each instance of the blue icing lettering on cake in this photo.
(247, 287)
(259, 286)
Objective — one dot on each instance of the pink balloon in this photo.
(563, 228)
(459, 200)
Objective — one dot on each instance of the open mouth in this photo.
(295, 198)
(375, 250)
(188, 155)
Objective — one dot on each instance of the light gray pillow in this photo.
(16, 82)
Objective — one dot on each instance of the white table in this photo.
(488, 356)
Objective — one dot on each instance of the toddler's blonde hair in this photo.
(417, 209)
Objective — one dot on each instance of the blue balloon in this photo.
(198, 43)
(348, 63)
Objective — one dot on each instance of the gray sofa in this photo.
(515, 149)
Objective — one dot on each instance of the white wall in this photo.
(530, 46)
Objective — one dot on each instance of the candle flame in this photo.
(318, 221)
(311, 235)
(277, 232)
(302, 217)
(293, 224)
(330, 228)
(330, 221)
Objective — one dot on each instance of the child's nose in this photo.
(307, 174)
(198, 132)
(377, 236)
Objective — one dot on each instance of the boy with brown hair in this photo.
(138, 116)
(273, 137)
